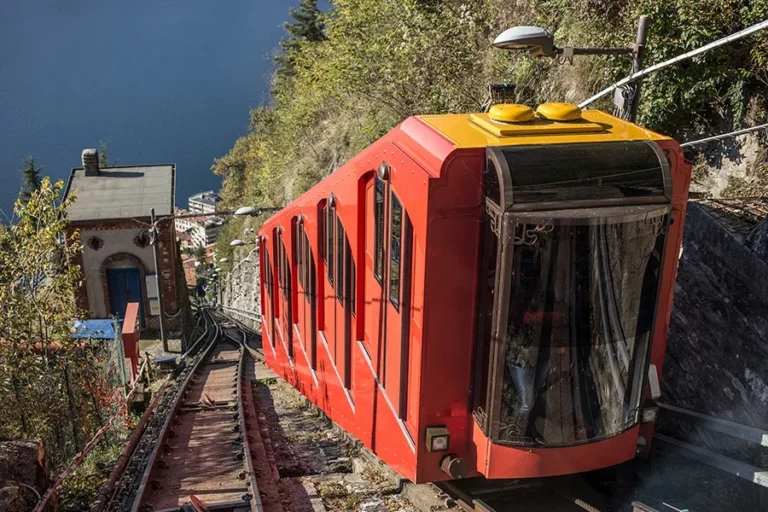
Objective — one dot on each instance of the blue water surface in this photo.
(160, 81)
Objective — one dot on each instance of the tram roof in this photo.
(479, 130)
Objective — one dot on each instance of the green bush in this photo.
(384, 60)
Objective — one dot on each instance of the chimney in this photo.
(91, 162)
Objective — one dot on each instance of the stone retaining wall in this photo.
(717, 355)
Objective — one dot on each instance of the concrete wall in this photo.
(119, 249)
(115, 241)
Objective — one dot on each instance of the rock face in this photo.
(22, 464)
(717, 355)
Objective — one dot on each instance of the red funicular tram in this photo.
(483, 294)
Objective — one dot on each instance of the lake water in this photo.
(159, 81)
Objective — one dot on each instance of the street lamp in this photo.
(236, 242)
(539, 42)
(246, 210)
(224, 260)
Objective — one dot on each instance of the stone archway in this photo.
(134, 261)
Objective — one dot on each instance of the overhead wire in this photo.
(685, 56)
(724, 136)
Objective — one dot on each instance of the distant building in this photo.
(201, 231)
(184, 238)
(112, 212)
(190, 270)
(210, 254)
(204, 202)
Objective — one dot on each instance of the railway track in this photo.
(564, 494)
(195, 454)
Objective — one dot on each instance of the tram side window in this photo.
(274, 274)
(321, 234)
(304, 270)
(267, 272)
(281, 265)
(396, 222)
(352, 284)
(298, 241)
(329, 242)
(309, 266)
(312, 298)
(340, 240)
(378, 215)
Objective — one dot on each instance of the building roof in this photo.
(208, 197)
(122, 192)
(100, 329)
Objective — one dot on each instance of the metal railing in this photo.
(753, 435)
(256, 317)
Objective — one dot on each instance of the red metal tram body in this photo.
(483, 294)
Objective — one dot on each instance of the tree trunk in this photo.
(20, 406)
(73, 413)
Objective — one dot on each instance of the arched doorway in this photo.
(123, 279)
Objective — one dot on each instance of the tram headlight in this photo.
(438, 439)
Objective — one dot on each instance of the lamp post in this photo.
(153, 240)
(540, 43)
(161, 310)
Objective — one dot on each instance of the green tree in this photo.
(104, 156)
(51, 384)
(30, 178)
(307, 26)
(198, 252)
(379, 62)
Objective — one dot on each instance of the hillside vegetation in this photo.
(346, 77)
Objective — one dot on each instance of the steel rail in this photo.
(255, 500)
(150, 464)
(135, 454)
(192, 348)
(480, 499)
(106, 491)
(134, 500)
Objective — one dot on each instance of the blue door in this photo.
(124, 287)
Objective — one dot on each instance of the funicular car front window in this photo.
(581, 307)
